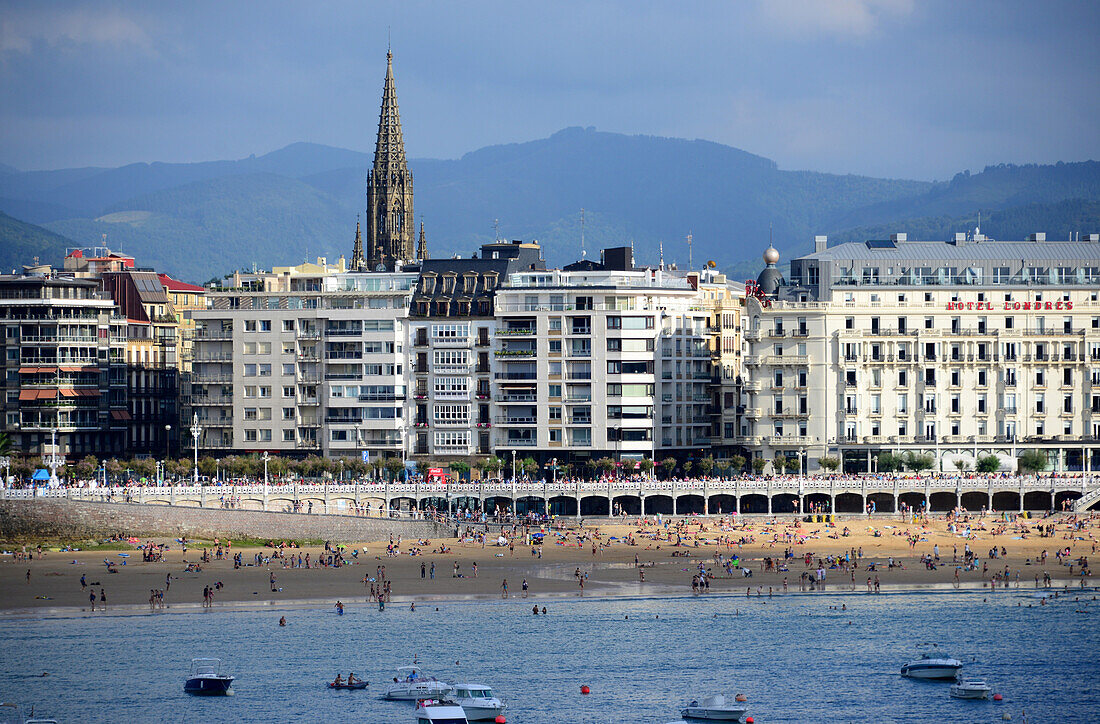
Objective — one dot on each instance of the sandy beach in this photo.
(600, 556)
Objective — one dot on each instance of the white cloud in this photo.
(845, 18)
(19, 32)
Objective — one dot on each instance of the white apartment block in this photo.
(954, 349)
(598, 363)
(309, 361)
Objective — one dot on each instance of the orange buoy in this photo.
(500, 719)
(748, 720)
(997, 697)
(741, 698)
(585, 689)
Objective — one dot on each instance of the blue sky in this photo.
(899, 88)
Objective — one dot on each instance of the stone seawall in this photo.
(79, 520)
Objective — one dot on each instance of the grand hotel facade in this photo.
(955, 350)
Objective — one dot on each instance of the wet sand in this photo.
(54, 584)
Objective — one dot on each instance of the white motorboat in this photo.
(13, 714)
(932, 666)
(714, 708)
(411, 683)
(476, 700)
(206, 679)
(971, 689)
(434, 711)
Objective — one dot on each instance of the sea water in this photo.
(797, 658)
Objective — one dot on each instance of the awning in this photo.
(120, 415)
(47, 370)
(71, 369)
(28, 394)
(28, 370)
(87, 393)
(47, 394)
(66, 392)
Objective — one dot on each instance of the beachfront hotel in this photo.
(955, 350)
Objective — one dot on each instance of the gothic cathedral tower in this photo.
(390, 225)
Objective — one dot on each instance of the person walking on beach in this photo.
(525, 588)
(103, 599)
(91, 597)
(28, 576)
(504, 588)
(83, 582)
(272, 577)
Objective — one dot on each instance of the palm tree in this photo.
(6, 446)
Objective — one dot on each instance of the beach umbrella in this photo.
(41, 475)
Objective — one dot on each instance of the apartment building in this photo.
(64, 369)
(601, 360)
(304, 360)
(955, 349)
(453, 321)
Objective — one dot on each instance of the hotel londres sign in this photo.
(1011, 306)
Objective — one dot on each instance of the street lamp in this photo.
(513, 483)
(54, 460)
(167, 452)
(265, 457)
(196, 430)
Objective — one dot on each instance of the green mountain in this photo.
(198, 220)
(21, 242)
(206, 228)
(1059, 221)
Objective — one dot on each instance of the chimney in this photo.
(898, 237)
(1092, 238)
(1038, 236)
(960, 238)
(821, 243)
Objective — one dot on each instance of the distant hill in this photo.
(1059, 221)
(202, 219)
(21, 242)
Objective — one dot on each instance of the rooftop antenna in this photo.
(496, 229)
(584, 253)
(661, 250)
(978, 231)
(690, 265)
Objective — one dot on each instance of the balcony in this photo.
(517, 398)
(202, 400)
(517, 421)
(515, 331)
(450, 341)
(505, 353)
(524, 442)
(753, 412)
(516, 376)
(207, 379)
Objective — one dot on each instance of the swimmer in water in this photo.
(282, 620)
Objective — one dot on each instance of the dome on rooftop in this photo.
(771, 255)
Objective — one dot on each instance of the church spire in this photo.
(357, 262)
(389, 186)
(422, 244)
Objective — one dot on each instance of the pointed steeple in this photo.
(422, 244)
(389, 186)
(357, 261)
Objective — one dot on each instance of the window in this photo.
(288, 325)
(554, 413)
(615, 389)
(455, 332)
(451, 357)
(288, 413)
(554, 390)
(265, 370)
(264, 391)
(288, 391)
(452, 414)
(288, 436)
(452, 386)
(265, 326)
(250, 326)
(452, 439)
(250, 370)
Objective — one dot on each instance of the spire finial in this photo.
(422, 243)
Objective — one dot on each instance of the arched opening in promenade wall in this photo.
(818, 501)
(1037, 500)
(401, 503)
(497, 502)
(754, 503)
(783, 503)
(1006, 500)
(1065, 495)
(689, 505)
(723, 504)
(595, 505)
(942, 502)
(884, 502)
(563, 505)
(529, 504)
(629, 504)
(912, 499)
(849, 503)
(464, 503)
(975, 500)
(658, 504)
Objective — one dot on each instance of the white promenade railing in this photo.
(1087, 485)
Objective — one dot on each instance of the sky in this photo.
(916, 89)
